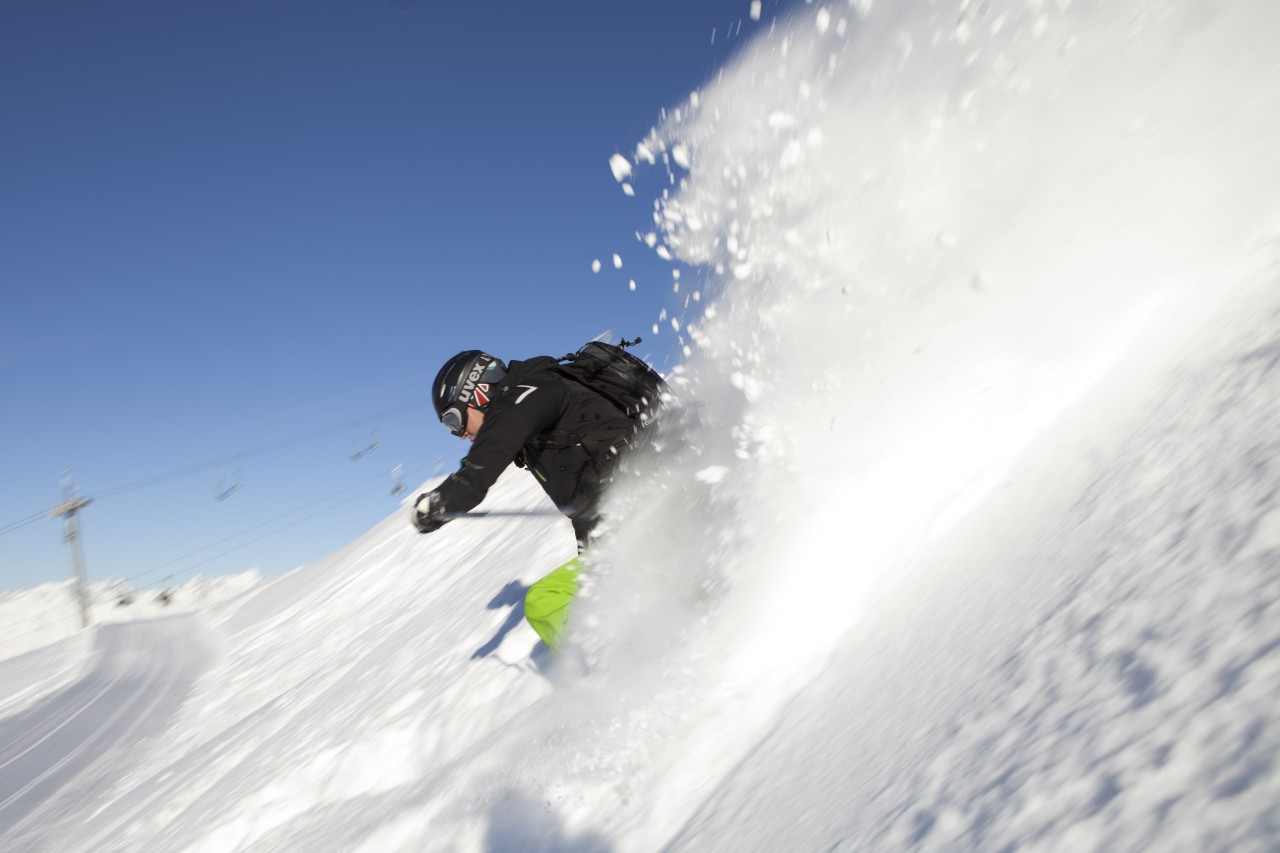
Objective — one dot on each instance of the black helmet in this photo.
(465, 380)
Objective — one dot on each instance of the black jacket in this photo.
(565, 434)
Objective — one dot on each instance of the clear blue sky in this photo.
(240, 230)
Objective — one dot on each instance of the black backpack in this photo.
(618, 376)
(628, 383)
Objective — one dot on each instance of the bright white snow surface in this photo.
(964, 532)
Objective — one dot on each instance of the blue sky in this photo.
(238, 238)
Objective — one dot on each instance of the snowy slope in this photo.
(387, 620)
(1094, 661)
(965, 535)
(63, 751)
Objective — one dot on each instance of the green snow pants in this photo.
(546, 604)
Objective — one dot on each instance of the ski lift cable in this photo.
(221, 461)
(401, 471)
(41, 614)
(23, 522)
(269, 534)
(295, 511)
(256, 451)
(404, 469)
(247, 530)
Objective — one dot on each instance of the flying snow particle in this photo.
(793, 155)
(748, 385)
(824, 20)
(617, 261)
(621, 167)
(778, 120)
(755, 9)
(681, 155)
(595, 265)
(655, 328)
(643, 153)
(632, 285)
(663, 253)
(711, 474)
(627, 189)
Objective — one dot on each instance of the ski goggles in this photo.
(454, 418)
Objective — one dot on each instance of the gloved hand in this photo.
(426, 513)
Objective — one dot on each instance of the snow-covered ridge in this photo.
(37, 617)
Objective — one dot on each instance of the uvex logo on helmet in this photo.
(469, 385)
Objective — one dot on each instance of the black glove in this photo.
(427, 511)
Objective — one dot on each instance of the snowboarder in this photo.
(532, 413)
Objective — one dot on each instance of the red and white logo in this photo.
(482, 395)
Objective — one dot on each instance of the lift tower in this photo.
(71, 535)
